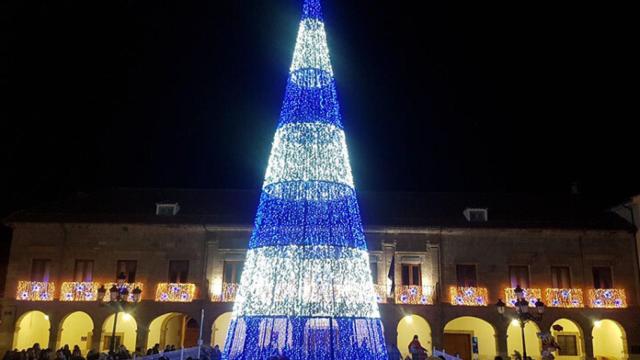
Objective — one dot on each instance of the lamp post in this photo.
(523, 314)
(118, 299)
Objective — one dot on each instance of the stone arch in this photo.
(31, 327)
(76, 328)
(609, 340)
(126, 331)
(514, 339)
(459, 335)
(173, 328)
(409, 326)
(571, 328)
(220, 328)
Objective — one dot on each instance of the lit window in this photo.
(475, 215)
(167, 209)
(374, 271)
(568, 345)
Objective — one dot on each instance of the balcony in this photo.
(79, 291)
(35, 291)
(531, 295)
(228, 294)
(607, 298)
(381, 293)
(415, 295)
(468, 296)
(564, 298)
(170, 292)
(129, 286)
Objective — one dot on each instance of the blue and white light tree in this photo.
(306, 290)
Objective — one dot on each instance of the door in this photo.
(458, 344)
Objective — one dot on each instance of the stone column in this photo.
(501, 342)
(588, 347)
(54, 330)
(142, 336)
(437, 336)
(96, 336)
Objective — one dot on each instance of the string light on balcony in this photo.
(607, 298)
(35, 291)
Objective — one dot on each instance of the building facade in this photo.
(439, 261)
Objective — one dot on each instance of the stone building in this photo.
(453, 257)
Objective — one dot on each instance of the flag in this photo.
(391, 284)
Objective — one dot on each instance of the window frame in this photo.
(84, 277)
(127, 272)
(475, 275)
(410, 267)
(46, 270)
(528, 276)
(179, 279)
(236, 271)
(593, 274)
(569, 277)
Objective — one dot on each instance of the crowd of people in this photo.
(65, 353)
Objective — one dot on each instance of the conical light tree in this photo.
(306, 290)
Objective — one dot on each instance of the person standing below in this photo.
(416, 349)
(216, 354)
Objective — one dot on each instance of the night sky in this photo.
(436, 97)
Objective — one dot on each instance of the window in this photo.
(466, 275)
(178, 271)
(232, 271)
(374, 271)
(167, 209)
(560, 277)
(40, 270)
(411, 274)
(602, 278)
(568, 345)
(83, 271)
(476, 215)
(519, 275)
(107, 339)
(128, 267)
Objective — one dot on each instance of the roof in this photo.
(384, 209)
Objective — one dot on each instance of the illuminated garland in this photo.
(564, 298)
(381, 293)
(607, 298)
(416, 295)
(531, 295)
(169, 292)
(35, 291)
(129, 286)
(79, 291)
(468, 296)
(306, 288)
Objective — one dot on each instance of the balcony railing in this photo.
(531, 295)
(607, 298)
(35, 291)
(564, 298)
(79, 291)
(415, 294)
(381, 293)
(468, 296)
(170, 292)
(129, 286)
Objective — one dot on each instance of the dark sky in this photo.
(443, 96)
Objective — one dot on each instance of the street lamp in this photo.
(523, 313)
(118, 299)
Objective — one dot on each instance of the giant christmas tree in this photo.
(306, 289)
